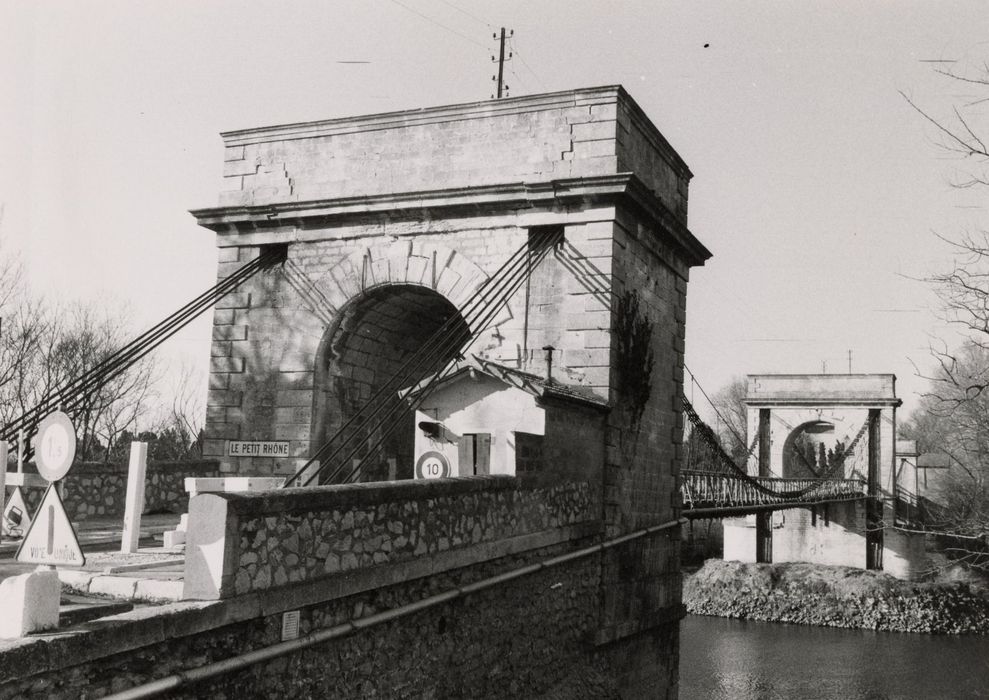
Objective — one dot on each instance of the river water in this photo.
(745, 660)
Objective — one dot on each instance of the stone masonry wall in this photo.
(264, 383)
(641, 481)
(97, 490)
(524, 638)
(301, 535)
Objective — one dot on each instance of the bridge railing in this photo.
(712, 490)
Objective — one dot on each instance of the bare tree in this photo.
(729, 402)
(182, 425)
(43, 346)
(954, 412)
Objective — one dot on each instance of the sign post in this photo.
(30, 602)
(432, 465)
(3, 481)
(50, 539)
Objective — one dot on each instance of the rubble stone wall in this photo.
(97, 490)
(300, 535)
(527, 637)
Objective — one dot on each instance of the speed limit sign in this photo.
(432, 465)
(55, 446)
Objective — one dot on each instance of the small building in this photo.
(481, 418)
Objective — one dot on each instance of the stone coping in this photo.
(508, 195)
(145, 626)
(481, 109)
(230, 484)
(247, 219)
(372, 493)
(380, 121)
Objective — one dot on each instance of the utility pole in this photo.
(849, 361)
(501, 62)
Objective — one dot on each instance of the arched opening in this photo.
(811, 451)
(369, 345)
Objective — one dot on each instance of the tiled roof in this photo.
(533, 384)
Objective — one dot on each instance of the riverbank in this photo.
(833, 596)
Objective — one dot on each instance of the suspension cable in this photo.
(433, 355)
(73, 395)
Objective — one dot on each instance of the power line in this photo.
(439, 24)
(526, 64)
(463, 11)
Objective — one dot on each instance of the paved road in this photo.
(97, 535)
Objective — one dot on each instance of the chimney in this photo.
(549, 363)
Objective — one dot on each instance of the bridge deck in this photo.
(712, 494)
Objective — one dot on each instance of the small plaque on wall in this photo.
(256, 448)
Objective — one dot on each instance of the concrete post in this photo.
(3, 482)
(135, 496)
(29, 603)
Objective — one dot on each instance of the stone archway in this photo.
(807, 449)
(370, 343)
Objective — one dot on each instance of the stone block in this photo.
(221, 348)
(235, 300)
(221, 397)
(223, 431)
(233, 168)
(223, 317)
(29, 603)
(228, 254)
(158, 591)
(210, 556)
(294, 397)
(230, 332)
(592, 131)
(113, 586)
(76, 579)
(234, 197)
(173, 538)
(214, 448)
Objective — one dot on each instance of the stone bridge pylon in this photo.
(390, 226)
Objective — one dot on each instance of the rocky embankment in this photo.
(834, 596)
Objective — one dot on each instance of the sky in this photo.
(816, 186)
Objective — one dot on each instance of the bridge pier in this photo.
(824, 427)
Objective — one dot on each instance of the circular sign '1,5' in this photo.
(55, 446)
(432, 465)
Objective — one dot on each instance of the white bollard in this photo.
(3, 482)
(29, 603)
(135, 496)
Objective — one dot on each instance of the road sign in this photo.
(55, 446)
(50, 539)
(16, 516)
(432, 465)
(257, 448)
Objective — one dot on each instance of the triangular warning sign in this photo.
(16, 515)
(51, 539)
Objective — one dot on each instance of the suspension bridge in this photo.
(527, 259)
(713, 484)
